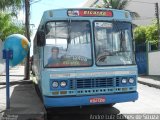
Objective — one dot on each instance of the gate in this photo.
(141, 59)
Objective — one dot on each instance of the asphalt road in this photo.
(143, 108)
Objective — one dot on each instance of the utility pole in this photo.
(27, 14)
(157, 16)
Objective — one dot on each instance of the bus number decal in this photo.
(97, 100)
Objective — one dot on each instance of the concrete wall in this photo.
(154, 63)
(2, 65)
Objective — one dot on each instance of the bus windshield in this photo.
(113, 43)
(68, 44)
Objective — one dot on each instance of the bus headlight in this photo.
(131, 80)
(55, 84)
(124, 81)
(63, 84)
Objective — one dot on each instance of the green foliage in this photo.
(152, 33)
(116, 4)
(8, 12)
(8, 27)
(143, 34)
(11, 6)
(140, 34)
(5, 4)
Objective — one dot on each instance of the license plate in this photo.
(97, 100)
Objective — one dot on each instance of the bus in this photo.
(85, 56)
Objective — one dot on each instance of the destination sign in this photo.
(90, 13)
(106, 13)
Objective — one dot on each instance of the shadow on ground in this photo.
(100, 112)
(25, 104)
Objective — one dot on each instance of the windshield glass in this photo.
(68, 44)
(113, 43)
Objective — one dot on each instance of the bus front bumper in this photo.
(70, 101)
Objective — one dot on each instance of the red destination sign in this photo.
(91, 13)
(106, 13)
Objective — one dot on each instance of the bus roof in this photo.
(85, 14)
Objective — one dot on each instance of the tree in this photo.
(140, 34)
(118, 4)
(143, 34)
(5, 4)
(8, 27)
(11, 6)
(146, 34)
(8, 11)
(152, 33)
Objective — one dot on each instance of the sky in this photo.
(37, 9)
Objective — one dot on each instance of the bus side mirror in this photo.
(41, 40)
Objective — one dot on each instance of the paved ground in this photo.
(148, 102)
(25, 103)
(152, 81)
(146, 105)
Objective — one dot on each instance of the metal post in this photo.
(157, 16)
(27, 12)
(147, 53)
(7, 54)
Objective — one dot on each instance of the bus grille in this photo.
(96, 83)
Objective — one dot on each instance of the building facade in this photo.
(145, 8)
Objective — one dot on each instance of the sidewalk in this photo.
(24, 101)
(16, 76)
(152, 81)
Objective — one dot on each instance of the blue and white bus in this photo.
(95, 60)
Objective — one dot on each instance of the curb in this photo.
(17, 82)
(149, 84)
